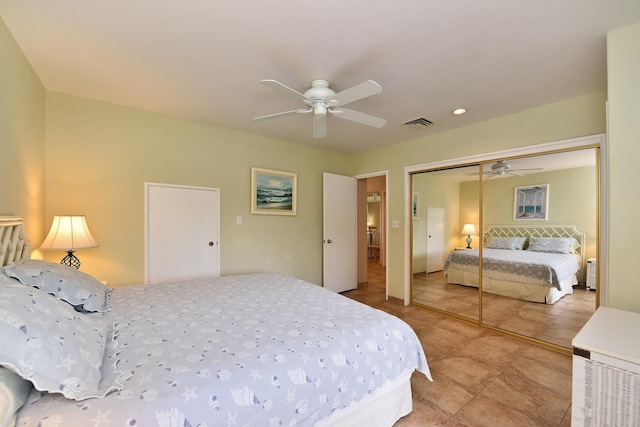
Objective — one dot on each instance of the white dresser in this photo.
(606, 370)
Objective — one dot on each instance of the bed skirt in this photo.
(384, 408)
(541, 292)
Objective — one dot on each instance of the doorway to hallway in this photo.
(372, 229)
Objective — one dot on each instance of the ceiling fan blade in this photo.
(320, 126)
(285, 90)
(357, 116)
(526, 169)
(284, 113)
(355, 93)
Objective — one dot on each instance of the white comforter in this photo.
(262, 349)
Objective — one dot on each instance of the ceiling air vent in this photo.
(419, 123)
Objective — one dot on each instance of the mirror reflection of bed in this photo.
(553, 316)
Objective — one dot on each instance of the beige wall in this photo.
(623, 59)
(470, 211)
(22, 136)
(99, 155)
(447, 197)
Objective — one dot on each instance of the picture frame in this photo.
(414, 204)
(273, 192)
(531, 202)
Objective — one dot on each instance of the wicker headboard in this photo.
(515, 230)
(14, 245)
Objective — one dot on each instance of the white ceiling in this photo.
(203, 60)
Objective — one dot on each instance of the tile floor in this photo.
(555, 323)
(481, 377)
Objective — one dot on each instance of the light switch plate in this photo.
(395, 224)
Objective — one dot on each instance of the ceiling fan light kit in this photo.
(501, 168)
(322, 100)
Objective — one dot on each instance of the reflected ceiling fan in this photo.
(501, 167)
(320, 100)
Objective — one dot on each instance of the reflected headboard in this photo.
(516, 230)
(14, 245)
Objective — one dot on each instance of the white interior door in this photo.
(339, 248)
(182, 232)
(435, 239)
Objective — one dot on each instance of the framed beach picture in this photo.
(273, 192)
(531, 202)
(414, 204)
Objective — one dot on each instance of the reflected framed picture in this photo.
(531, 202)
(273, 192)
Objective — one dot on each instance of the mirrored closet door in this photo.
(532, 228)
(443, 202)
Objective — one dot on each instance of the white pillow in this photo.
(556, 245)
(13, 393)
(45, 341)
(67, 283)
(511, 243)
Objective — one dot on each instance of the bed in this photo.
(536, 263)
(247, 350)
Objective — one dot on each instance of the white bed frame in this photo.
(14, 246)
(524, 291)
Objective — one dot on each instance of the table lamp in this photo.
(469, 229)
(69, 232)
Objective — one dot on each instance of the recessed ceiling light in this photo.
(459, 111)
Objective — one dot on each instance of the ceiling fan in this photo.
(501, 167)
(321, 99)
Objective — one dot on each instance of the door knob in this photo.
(329, 241)
(210, 243)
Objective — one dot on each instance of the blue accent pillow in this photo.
(47, 342)
(67, 283)
(510, 243)
(556, 245)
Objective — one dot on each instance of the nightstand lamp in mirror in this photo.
(469, 229)
(69, 232)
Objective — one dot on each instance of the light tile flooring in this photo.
(555, 323)
(481, 377)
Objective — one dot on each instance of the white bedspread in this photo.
(251, 350)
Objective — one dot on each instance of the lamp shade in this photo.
(69, 232)
(469, 229)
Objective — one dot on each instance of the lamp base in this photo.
(71, 260)
(468, 241)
